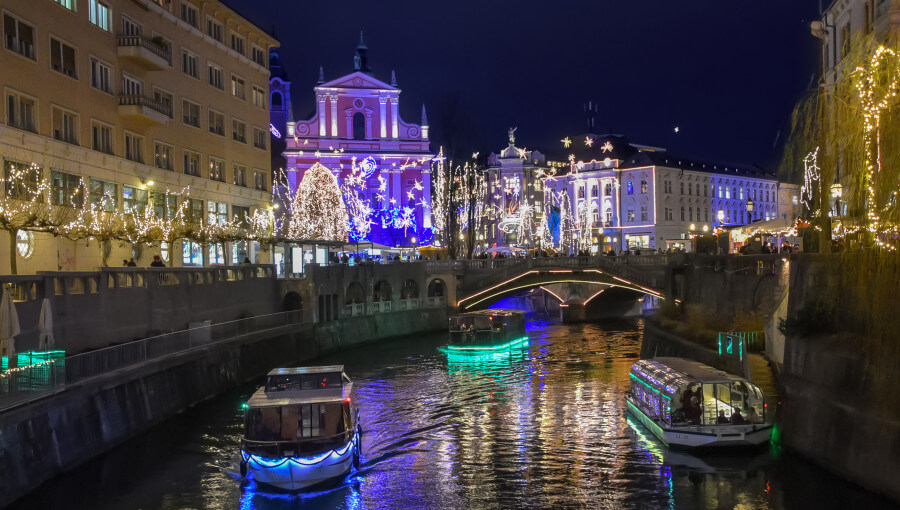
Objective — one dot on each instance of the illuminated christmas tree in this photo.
(318, 210)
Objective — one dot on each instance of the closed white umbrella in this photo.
(45, 326)
(9, 328)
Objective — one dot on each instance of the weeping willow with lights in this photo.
(846, 141)
(317, 209)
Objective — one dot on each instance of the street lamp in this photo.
(415, 248)
(749, 210)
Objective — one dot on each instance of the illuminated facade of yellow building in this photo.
(137, 98)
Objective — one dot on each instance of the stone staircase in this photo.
(761, 374)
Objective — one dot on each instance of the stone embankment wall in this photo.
(658, 342)
(61, 432)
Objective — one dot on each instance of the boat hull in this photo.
(297, 474)
(723, 436)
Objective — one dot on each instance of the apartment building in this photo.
(142, 99)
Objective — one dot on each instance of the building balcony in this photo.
(143, 108)
(144, 52)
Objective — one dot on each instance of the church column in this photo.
(382, 105)
(395, 116)
(322, 120)
(426, 197)
(334, 122)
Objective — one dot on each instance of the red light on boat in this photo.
(347, 400)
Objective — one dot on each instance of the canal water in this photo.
(540, 428)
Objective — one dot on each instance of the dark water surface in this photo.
(541, 428)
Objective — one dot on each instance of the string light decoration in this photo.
(566, 224)
(584, 223)
(353, 189)
(318, 210)
(545, 234)
(811, 179)
(440, 200)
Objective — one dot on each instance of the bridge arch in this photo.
(436, 288)
(292, 301)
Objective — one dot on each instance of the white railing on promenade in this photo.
(25, 384)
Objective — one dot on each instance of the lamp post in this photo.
(415, 248)
(749, 211)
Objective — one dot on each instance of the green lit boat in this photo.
(486, 331)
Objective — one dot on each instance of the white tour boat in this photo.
(688, 404)
(300, 428)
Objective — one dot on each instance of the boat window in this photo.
(301, 382)
(312, 420)
(263, 424)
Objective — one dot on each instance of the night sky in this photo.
(726, 73)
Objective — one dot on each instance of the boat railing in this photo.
(310, 446)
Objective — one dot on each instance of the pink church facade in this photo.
(357, 121)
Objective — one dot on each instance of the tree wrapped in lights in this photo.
(566, 224)
(545, 234)
(584, 224)
(358, 208)
(318, 210)
(440, 201)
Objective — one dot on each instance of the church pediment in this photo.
(357, 80)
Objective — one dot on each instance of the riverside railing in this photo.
(26, 384)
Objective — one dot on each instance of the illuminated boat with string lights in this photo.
(486, 331)
(687, 404)
(300, 429)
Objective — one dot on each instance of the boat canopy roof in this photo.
(306, 370)
(303, 385)
(671, 374)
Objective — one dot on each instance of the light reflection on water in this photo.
(540, 427)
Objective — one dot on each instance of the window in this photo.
(258, 55)
(607, 189)
(630, 216)
(134, 200)
(215, 74)
(99, 14)
(130, 27)
(705, 191)
(101, 137)
(191, 254)
(237, 43)
(580, 192)
(165, 206)
(630, 188)
(706, 214)
(258, 97)
(190, 113)
(690, 189)
(682, 213)
(594, 191)
(131, 86)
(216, 123)
(668, 214)
(845, 41)
(240, 215)
(259, 138)
(240, 175)
(644, 214)
(216, 169)
(65, 125)
(682, 188)
(238, 87)
(216, 213)
(166, 100)
(238, 131)
(733, 192)
(66, 189)
(192, 163)
(62, 58)
(609, 218)
(20, 111)
(643, 187)
(100, 75)
(24, 243)
(103, 195)
(189, 14)
(162, 156)
(216, 253)
(311, 420)
(134, 147)
(741, 193)
(259, 182)
(68, 4)
(23, 181)
(720, 191)
(194, 211)
(18, 36)
(189, 64)
(690, 213)
(214, 29)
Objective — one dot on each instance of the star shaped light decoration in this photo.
(607, 147)
(318, 154)
(566, 142)
(677, 129)
(571, 158)
(589, 141)
(521, 152)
